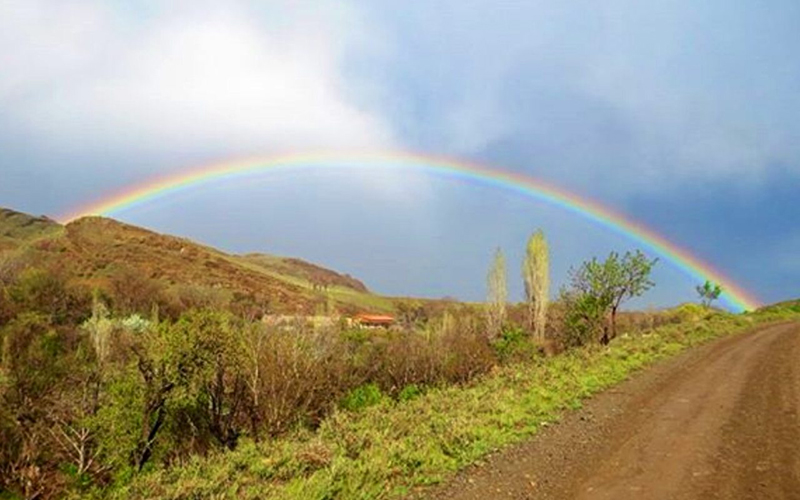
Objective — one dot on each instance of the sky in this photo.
(680, 115)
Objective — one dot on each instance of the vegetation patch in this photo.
(389, 449)
(362, 397)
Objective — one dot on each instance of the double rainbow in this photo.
(736, 297)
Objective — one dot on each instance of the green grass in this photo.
(391, 448)
(366, 301)
(292, 280)
(341, 294)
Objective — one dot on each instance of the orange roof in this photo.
(374, 318)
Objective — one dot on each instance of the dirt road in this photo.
(719, 422)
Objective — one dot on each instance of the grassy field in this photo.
(394, 447)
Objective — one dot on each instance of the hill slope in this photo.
(17, 228)
(93, 248)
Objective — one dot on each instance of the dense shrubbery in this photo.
(94, 389)
(388, 450)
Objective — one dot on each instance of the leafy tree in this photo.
(134, 409)
(708, 292)
(211, 391)
(158, 377)
(32, 356)
(536, 274)
(124, 412)
(497, 294)
(613, 281)
(584, 317)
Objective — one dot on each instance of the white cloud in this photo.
(224, 78)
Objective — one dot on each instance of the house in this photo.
(373, 320)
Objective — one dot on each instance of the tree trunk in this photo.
(146, 446)
(613, 323)
(149, 431)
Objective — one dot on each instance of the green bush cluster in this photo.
(362, 397)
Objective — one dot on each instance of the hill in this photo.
(306, 272)
(787, 306)
(96, 249)
(17, 228)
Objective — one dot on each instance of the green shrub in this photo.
(584, 319)
(409, 392)
(514, 345)
(689, 312)
(355, 335)
(362, 397)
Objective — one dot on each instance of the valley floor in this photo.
(721, 421)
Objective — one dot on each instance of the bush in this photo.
(47, 292)
(294, 377)
(35, 391)
(408, 358)
(584, 319)
(466, 353)
(514, 345)
(132, 292)
(688, 312)
(190, 296)
(362, 397)
(154, 392)
(409, 392)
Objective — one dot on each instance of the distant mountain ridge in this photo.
(90, 248)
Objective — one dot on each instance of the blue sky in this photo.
(681, 115)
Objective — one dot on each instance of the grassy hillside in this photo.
(17, 228)
(785, 306)
(302, 271)
(95, 248)
(346, 291)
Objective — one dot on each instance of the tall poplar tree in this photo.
(536, 274)
(497, 294)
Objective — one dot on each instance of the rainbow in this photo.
(736, 297)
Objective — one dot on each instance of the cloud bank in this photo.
(619, 96)
(219, 77)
